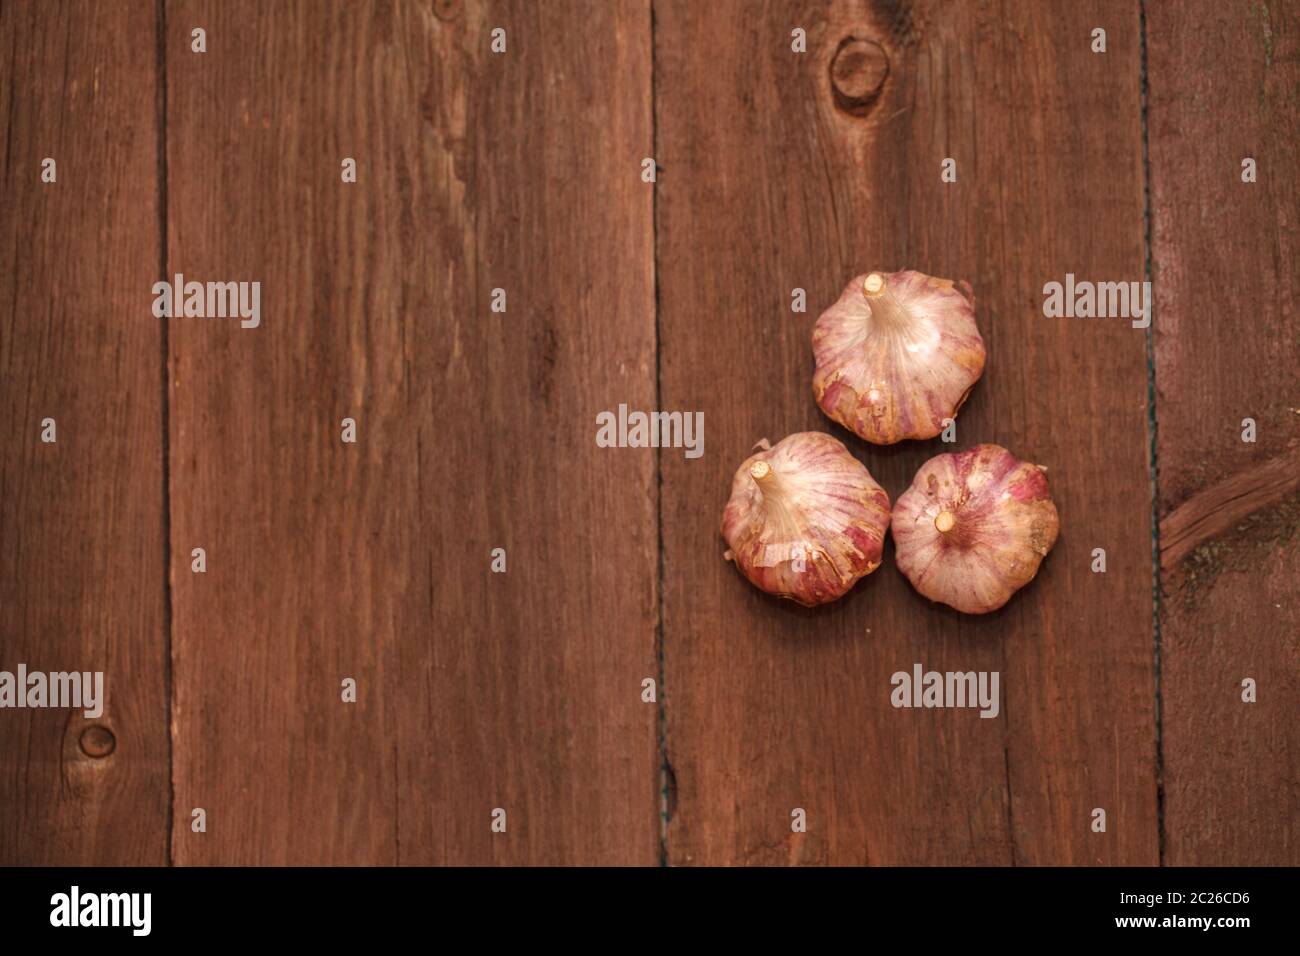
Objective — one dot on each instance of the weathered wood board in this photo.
(502, 271)
(1225, 88)
(772, 182)
(475, 430)
(82, 585)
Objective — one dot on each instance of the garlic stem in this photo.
(765, 476)
(885, 309)
(944, 522)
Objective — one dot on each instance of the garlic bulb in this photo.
(896, 355)
(806, 520)
(974, 527)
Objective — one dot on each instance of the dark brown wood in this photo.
(523, 171)
(1223, 81)
(475, 430)
(524, 690)
(81, 519)
(1217, 511)
(770, 183)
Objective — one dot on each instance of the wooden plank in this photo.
(1223, 82)
(476, 429)
(1218, 510)
(81, 519)
(769, 182)
(533, 700)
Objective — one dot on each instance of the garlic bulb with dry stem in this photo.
(974, 527)
(806, 520)
(896, 355)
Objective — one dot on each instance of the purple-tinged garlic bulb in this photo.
(896, 355)
(806, 520)
(974, 527)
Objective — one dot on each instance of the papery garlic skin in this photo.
(806, 520)
(897, 354)
(974, 527)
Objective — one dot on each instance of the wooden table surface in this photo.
(523, 170)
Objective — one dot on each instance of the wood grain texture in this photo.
(1224, 84)
(521, 171)
(1219, 510)
(770, 182)
(81, 519)
(476, 430)
(533, 699)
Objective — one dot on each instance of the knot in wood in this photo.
(97, 741)
(446, 9)
(858, 73)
